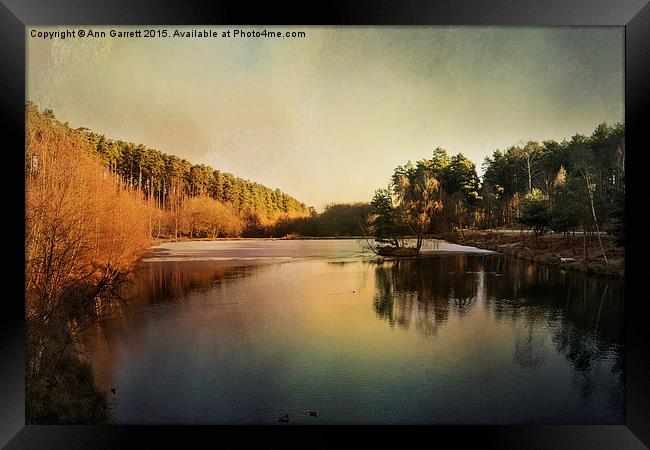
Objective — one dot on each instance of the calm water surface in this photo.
(235, 332)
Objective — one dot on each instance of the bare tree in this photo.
(591, 187)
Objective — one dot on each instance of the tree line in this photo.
(550, 186)
(92, 206)
(559, 186)
(337, 219)
(189, 198)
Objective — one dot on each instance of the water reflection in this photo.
(529, 352)
(581, 315)
(445, 339)
(153, 283)
(424, 290)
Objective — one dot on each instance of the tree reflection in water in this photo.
(423, 290)
(148, 285)
(470, 339)
(581, 315)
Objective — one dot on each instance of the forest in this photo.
(93, 205)
(191, 200)
(182, 199)
(549, 186)
(576, 184)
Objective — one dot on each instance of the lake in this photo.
(243, 332)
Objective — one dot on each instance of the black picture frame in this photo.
(634, 15)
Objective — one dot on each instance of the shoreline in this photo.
(298, 238)
(511, 244)
(549, 249)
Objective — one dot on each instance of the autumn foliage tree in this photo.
(167, 181)
(406, 207)
(212, 219)
(82, 233)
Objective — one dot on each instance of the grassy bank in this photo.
(67, 397)
(572, 252)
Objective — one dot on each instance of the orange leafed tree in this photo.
(83, 231)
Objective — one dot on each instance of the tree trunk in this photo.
(419, 241)
(593, 213)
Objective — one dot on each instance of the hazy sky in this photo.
(327, 117)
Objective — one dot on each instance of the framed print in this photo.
(375, 219)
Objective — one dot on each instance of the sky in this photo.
(327, 117)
